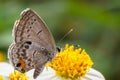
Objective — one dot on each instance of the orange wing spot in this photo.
(22, 63)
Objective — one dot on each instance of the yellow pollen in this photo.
(2, 56)
(18, 76)
(1, 78)
(71, 63)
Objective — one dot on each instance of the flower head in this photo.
(7, 72)
(2, 56)
(18, 76)
(71, 63)
(1, 77)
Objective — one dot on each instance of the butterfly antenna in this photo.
(66, 34)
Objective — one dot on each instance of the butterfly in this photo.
(33, 44)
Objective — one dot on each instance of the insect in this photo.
(33, 44)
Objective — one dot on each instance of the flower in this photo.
(74, 64)
(18, 76)
(47, 74)
(69, 64)
(1, 77)
(8, 73)
(2, 56)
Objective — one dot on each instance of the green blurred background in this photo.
(95, 24)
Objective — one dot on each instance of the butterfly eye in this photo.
(58, 49)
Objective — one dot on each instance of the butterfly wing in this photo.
(31, 27)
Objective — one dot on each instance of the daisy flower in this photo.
(74, 64)
(68, 64)
(2, 56)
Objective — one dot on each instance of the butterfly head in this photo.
(58, 49)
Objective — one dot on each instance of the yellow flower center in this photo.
(1, 78)
(2, 56)
(71, 63)
(17, 76)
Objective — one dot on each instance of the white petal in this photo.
(5, 77)
(49, 74)
(93, 75)
(5, 69)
